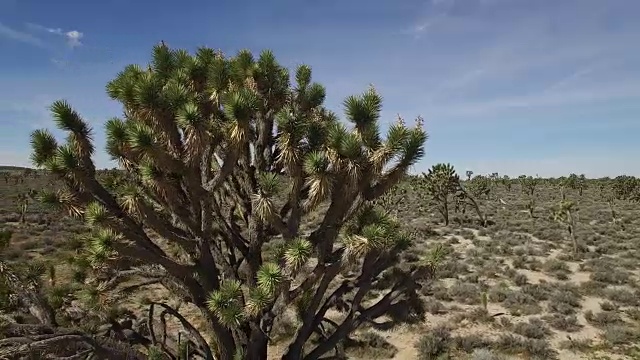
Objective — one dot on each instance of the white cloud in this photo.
(21, 36)
(72, 37)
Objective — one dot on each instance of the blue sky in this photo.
(543, 87)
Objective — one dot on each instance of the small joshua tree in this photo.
(563, 213)
(479, 186)
(531, 206)
(506, 182)
(23, 201)
(221, 156)
(625, 187)
(441, 181)
(469, 174)
(581, 183)
(528, 184)
(607, 194)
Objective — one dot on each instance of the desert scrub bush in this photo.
(532, 348)
(369, 345)
(577, 345)
(435, 343)
(540, 291)
(490, 270)
(633, 313)
(558, 268)
(593, 288)
(534, 329)
(612, 275)
(434, 306)
(440, 292)
(603, 318)
(564, 300)
(473, 315)
(469, 343)
(465, 293)
(485, 354)
(498, 293)
(452, 268)
(520, 303)
(620, 334)
(520, 279)
(567, 323)
(623, 297)
(608, 306)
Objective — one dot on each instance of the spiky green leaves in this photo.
(263, 201)
(258, 300)
(66, 158)
(141, 138)
(79, 143)
(189, 117)
(292, 128)
(122, 88)
(96, 214)
(240, 107)
(242, 66)
(303, 76)
(317, 166)
(67, 119)
(364, 112)
(297, 253)
(163, 60)
(371, 231)
(269, 277)
(148, 92)
(413, 146)
(101, 245)
(177, 94)
(62, 199)
(44, 147)
(226, 303)
(269, 183)
(116, 131)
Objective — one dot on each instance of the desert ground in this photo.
(513, 289)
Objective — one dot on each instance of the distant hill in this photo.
(11, 168)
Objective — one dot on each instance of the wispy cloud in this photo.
(72, 37)
(21, 36)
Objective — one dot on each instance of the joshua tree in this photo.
(469, 174)
(221, 156)
(465, 197)
(563, 214)
(578, 182)
(528, 184)
(441, 181)
(531, 206)
(22, 201)
(626, 187)
(608, 195)
(479, 186)
(506, 182)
